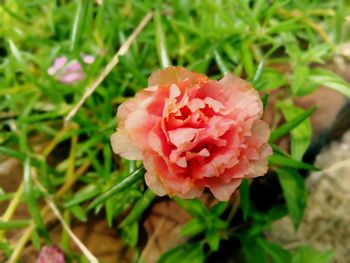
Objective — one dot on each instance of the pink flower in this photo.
(51, 254)
(192, 132)
(69, 72)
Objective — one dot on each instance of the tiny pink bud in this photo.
(51, 254)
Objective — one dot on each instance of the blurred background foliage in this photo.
(277, 45)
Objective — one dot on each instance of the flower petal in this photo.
(222, 190)
(173, 75)
(182, 135)
(122, 145)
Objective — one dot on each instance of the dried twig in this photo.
(50, 203)
(115, 60)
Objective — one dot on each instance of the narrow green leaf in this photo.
(219, 208)
(130, 234)
(264, 100)
(22, 157)
(258, 73)
(276, 252)
(160, 41)
(294, 192)
(315, 54)
(186, 253)
(308, 254)
(193, 206)
(252, 250)
(193, 227)
(6, 248)
(15, 52)
(286, 26)
(278, 150)
(221, 63)
(78, 212)
(244, 198)
(141, 205)
(339, 20)
(290, 125)
(285, 161)
(136, 176)
(212, 236)
(30, 196)
(14, 224)
(36, 239)
(247, 59)
(271, 79)
(329, 79)
(83, 195)
(300, 135)
(301, 73)
(79, 23)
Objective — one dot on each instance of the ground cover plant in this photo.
(66, 66)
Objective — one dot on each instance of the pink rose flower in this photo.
(51, 254)
(69, 72)
(192, 132)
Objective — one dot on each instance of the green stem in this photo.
(141, 205)
(130, 180)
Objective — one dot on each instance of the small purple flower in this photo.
(69, 72)
(51, 254)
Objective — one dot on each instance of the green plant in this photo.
(73, 160)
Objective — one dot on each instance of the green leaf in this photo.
(193, 227)
(244, 198)
(186, 253)
(258, 73)
(14, 224)
(22, 157)
(329, 79)
(221, 63)
(315, 54)
(6, 248)
(194, 207)
(136, 176)
(212, 236)
(273, 79)
(264, 100)
(301, 73)
(310, 255)
(294, 192)
(141, 205)
(36, 239)
(130, 234)
(339, 20)
(160, 41)
(217, 223)
(278, 150)
(252, 250)
(15, 52)
(31, 198)
(285, 161)
(78, 212)
(247, 59)
(301, 135)
(79, 23)
(290, 125)
(219, 208)
(82, 195)
(276, 252)
(120, 202)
